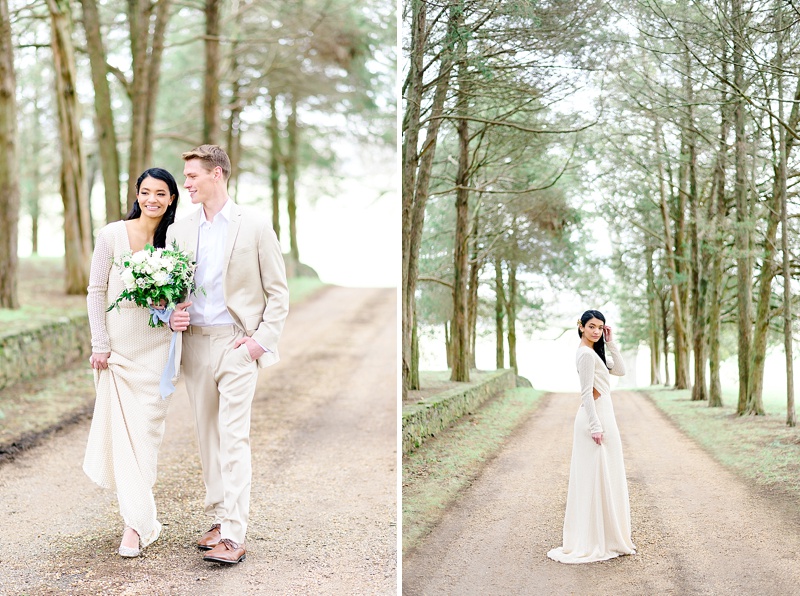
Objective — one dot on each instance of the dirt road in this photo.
(323, 510)
(698, 528)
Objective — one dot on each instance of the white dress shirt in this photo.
(209, 308)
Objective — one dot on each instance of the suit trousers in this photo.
(221, 382)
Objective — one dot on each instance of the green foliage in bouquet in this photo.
(156, 278)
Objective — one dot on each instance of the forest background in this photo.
(301, 95)
(635, 155)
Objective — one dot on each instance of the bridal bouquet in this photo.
(156, 278)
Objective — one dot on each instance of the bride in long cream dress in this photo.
(128, 358)
(597, 522)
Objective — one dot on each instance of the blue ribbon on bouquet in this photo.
(165, 385)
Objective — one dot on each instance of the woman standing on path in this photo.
(597, 522)
(128, 357)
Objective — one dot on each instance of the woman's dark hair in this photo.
(600, 344)
(160, 235)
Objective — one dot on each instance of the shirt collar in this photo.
(225, 212)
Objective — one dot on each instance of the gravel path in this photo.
(698, 528)
(323, 513)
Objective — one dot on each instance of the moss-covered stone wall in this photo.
(44, 350)
(433, 414)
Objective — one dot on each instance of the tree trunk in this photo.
(233, 141)
(460, 331)
(154, 76)
(236, 104)
(146, 54)
(472, 298)
(791, 416)
(274, 164)
(9, 168)
(77, 225)
(697, 276)
(742, 241)
(665, 338)
(417, 167)
(138, 19)
(415, 384)
(763, 307)
(511, 309)
(293, 132)
(652, 320)
(717, 216)
(104, 115)
(211, 117)
(679, 336)
(499, 310)
(448, 346)
(37, 145)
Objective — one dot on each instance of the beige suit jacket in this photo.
(254, 276)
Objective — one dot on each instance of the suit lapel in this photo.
(233, 231)
(190, 233)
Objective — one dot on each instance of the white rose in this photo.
(161, 278)
(139, 256)
(128, 279)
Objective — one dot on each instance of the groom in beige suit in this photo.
(229, 332)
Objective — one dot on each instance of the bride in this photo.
(597, 522)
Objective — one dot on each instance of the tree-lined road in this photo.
(698, 528)
(324, 479)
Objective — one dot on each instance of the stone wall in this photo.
(433, 414)
(44, 350)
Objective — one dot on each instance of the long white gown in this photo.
(597, 522)
(129, 414)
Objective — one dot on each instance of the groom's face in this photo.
(200, 182)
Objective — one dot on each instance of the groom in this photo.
(229, 331)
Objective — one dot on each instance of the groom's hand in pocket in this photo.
(179, 319)
(252, 346)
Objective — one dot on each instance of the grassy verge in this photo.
(32, 410)
(435, 473)
(760, 448)
(301, 288)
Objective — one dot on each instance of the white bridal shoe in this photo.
(128, 551)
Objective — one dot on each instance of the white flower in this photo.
(140, 256)
(128, 279)
(161, 278)
(141, 282)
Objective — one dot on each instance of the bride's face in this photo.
(593, 330)
(153, 197)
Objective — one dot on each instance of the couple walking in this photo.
(224, 335)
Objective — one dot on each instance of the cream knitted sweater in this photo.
(594, 373)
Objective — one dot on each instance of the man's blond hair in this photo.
(211, 156)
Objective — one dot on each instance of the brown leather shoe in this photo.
(210, 539)
(227, 551)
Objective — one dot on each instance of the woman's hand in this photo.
(597, 438)
(607, 334)
(99, 360)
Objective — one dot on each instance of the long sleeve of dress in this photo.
(586, 362)
(617, 363)
(97, 292)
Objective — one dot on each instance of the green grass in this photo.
(760, 448)
(301, 288)
(434, 475)
(36, 406)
